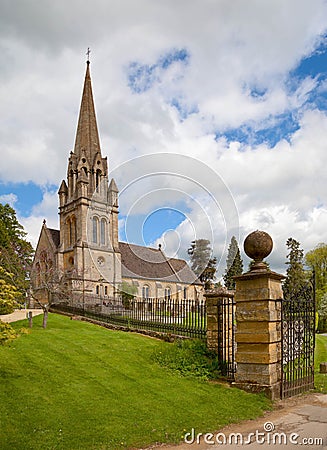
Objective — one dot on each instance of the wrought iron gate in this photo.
(298, 341)
(226, 335)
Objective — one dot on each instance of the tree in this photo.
(201, 262)
(48, 284)
(9, 294)
(15, 251)
(316, 259)
(8, 301)
(234, 264)
(128, 292)
(296, 277)
(322, 312)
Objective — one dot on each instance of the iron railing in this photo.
(179, 317)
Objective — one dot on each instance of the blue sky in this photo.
(240, 87)
(24, 196)
(147, 229)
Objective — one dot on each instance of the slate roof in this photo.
(147, 263)
(152, 264)
(55, 235)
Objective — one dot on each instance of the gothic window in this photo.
(95, 226)
(97, 180)
(71, 182)
(70, 233)
(103, 232)
(97, 290)
(38, 274)
(185, 293)
(75, 230)
(145, 291)
(106, 290)
(167, 293)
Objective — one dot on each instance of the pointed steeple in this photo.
(87, 136)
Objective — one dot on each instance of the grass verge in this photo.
(79, 386)
(189, 358)
(320, 356)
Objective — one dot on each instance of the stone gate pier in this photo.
(258, 316)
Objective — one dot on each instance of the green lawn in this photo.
(320, 356)
(80, 386)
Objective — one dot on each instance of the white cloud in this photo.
(11, 199)
(235, 48)
(47, 210)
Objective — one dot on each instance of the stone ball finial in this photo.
(258, 245)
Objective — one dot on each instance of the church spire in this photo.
(87, 137)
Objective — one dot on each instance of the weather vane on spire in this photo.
(88, 54)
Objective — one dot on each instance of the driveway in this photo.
(19, 314)
(299, 421)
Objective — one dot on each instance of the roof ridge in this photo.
(172, 268)
(141, 246)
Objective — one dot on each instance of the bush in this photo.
(189, 358)
(7, 333)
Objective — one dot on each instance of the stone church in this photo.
(85, 255)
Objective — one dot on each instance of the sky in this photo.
(213, 115)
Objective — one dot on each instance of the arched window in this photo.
(167, 293)
(106, 290)
(38, 274)
(95, 230)
(145, 291)
(97, 180)
(103, 232)
(97, 290)
(70, 233)
(75, 230)
(71, 183)
(185, 293)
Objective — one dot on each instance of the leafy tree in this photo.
(128, 292)
(316, 259)
(48, 284)
(234, 264)
(9, 294)
(296, 277)
(15, 252)
(8, 301)
(322, 311)
(201, 262)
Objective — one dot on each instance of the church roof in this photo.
(150, 263)
(87, 136)
(147, 263)
(55, 235)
